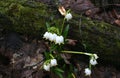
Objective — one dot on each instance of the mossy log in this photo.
(24, 17)
(30, 18)
(98, 37)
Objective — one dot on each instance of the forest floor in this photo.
(24, 60)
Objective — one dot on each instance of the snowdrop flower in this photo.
(53, 62)
(95, 56)
(52, 37)
(93, 61)
(68, 16)
(46, 35)
(46, 67)
(87, 72)
(59, 40)
(63, 12)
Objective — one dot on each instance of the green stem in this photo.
(62, 26)
(51, 56)
(73, 75)
(75, 52)
(90, 67)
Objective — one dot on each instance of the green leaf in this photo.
(59, 70)
(59, 74)
(53, 47)
(66, 31)
(53, 29)
(47, 25)
(46, 55)
(71, 75)
(68, 10)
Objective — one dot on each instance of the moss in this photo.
(98, 37)
(26, 17)
(29, 17)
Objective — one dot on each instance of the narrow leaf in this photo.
(47, 25)
(66, 31)
(59, 70)
(59, 74)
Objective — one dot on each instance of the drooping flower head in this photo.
(93, 61)
(68, 16)
(53, 62)
(59, 40)
(87, 72)
(54, 38)
(65, 13)
(46, 67)
(46, 35)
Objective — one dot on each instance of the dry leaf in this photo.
(62, 10)
(117, 22)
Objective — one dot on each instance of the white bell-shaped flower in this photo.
(87, 72)
(53, 62)
(68, 16)
(62, 39)
(59, 40)
(46, 35)
(53, 37)
(46, 67)
(93, 62)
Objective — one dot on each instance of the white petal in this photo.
(46, 67)
(68, 16)
(93, 62)
(53, 62)
(59, 40)
(87, 72)
(51, 37)
(46, 35)
(54, 37)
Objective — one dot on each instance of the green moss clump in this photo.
(25, 17)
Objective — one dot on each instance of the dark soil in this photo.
(22, 59)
